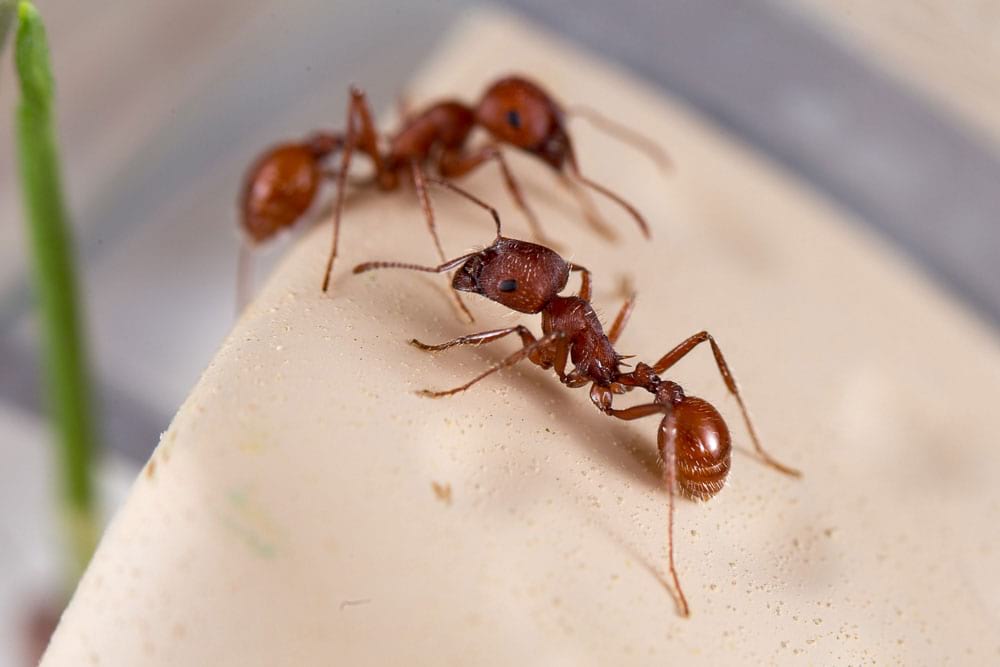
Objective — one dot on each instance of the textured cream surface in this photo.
(289, 515)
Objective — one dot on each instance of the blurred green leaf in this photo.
(55, 285)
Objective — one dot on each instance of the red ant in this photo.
(692, 438)
(283, 182)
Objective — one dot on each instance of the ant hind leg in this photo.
(360, 134)
(667, 451)
(679, 352)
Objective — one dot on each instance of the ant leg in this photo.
(666, 444)
(636, 411)
(425, 204)
(453, 165)
(584, 280)
(528, 351)
(589, 208)
(676, 354)
(481, 338)
(621, 319)
(556, 360)
(616, 198)
(364, 138)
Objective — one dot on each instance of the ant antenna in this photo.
(625, 134)
(443, 268)
(468, 195)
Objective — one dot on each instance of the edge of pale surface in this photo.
(288, 513)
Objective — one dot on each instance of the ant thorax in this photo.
(590, 350)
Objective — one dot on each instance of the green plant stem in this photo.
(55, 287)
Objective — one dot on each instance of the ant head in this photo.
(518, 112)
(519, 275)
(702, 444)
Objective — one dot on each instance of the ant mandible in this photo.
(693, 439)
(281, 185)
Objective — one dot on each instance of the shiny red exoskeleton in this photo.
(692, 437)
(513, 111)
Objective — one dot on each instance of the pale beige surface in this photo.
(949, 49)
(288, 516)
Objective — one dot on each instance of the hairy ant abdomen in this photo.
(703, 447)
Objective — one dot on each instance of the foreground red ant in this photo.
(692, 438)
(283, 182)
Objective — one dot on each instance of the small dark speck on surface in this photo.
(354, 603)
(442, 491)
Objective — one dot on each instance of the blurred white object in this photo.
(30, 547)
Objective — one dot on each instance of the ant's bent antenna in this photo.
(625, 134)
(468, 195)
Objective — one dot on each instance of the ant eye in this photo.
(514, 119)
(508, 285)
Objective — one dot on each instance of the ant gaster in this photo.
(514, 111)
(693, 439)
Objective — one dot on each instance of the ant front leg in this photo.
(584, 280)
(554, 356)
(589, 208)
(679, 352)
(455, 165)
(360, 134)
(481, 338)
(621, 319)
(534, 351)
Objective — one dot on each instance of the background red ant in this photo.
(693, 439)
(282, 183)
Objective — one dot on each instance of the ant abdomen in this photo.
(702, 447)
(278, 189)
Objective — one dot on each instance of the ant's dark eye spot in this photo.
(514, 119)
(508, 285)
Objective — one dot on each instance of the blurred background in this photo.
(890, 109)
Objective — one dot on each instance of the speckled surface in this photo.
(290, 514)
